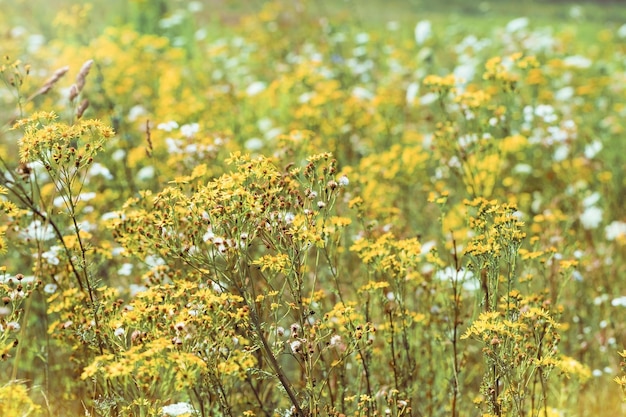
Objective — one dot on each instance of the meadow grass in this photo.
(312, 208)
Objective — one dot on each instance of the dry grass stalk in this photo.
(149, 149)
(75, 89)
(81, 108)
(82, 74)
(51, 81)
(73, 92)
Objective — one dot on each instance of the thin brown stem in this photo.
(280, 374)
(393, 350)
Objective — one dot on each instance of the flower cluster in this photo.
(386, 221)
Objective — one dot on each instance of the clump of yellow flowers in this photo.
(370, 226)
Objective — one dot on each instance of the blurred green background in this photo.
(481, 16)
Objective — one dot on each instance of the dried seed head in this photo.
(73, 92)
(81, 108)
(51, 81)
(136, 334)
(82, 75)
(296, 346)
(295, 329)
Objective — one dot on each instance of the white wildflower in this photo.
(255, 88)
(194, 6)
(362, 38)
(136, 112)
(362, 93)
(190, 129)
(177, 409)
(254, 144)
(146, 173)
(423, 31)
(99, 169)
(50, 288)
(411, 93)
(36, 230)
(167, 126)
(51, 255)
(135, 289)
(619, 301)
(591, 199)
(577, 61)
(153, 261)
(591, 217)
(126, 269)
(465, 276)
(593, 149)
(516, 25)
(428, 98)
(615, 230)
(289, 217)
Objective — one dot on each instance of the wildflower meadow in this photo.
(312, 208)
